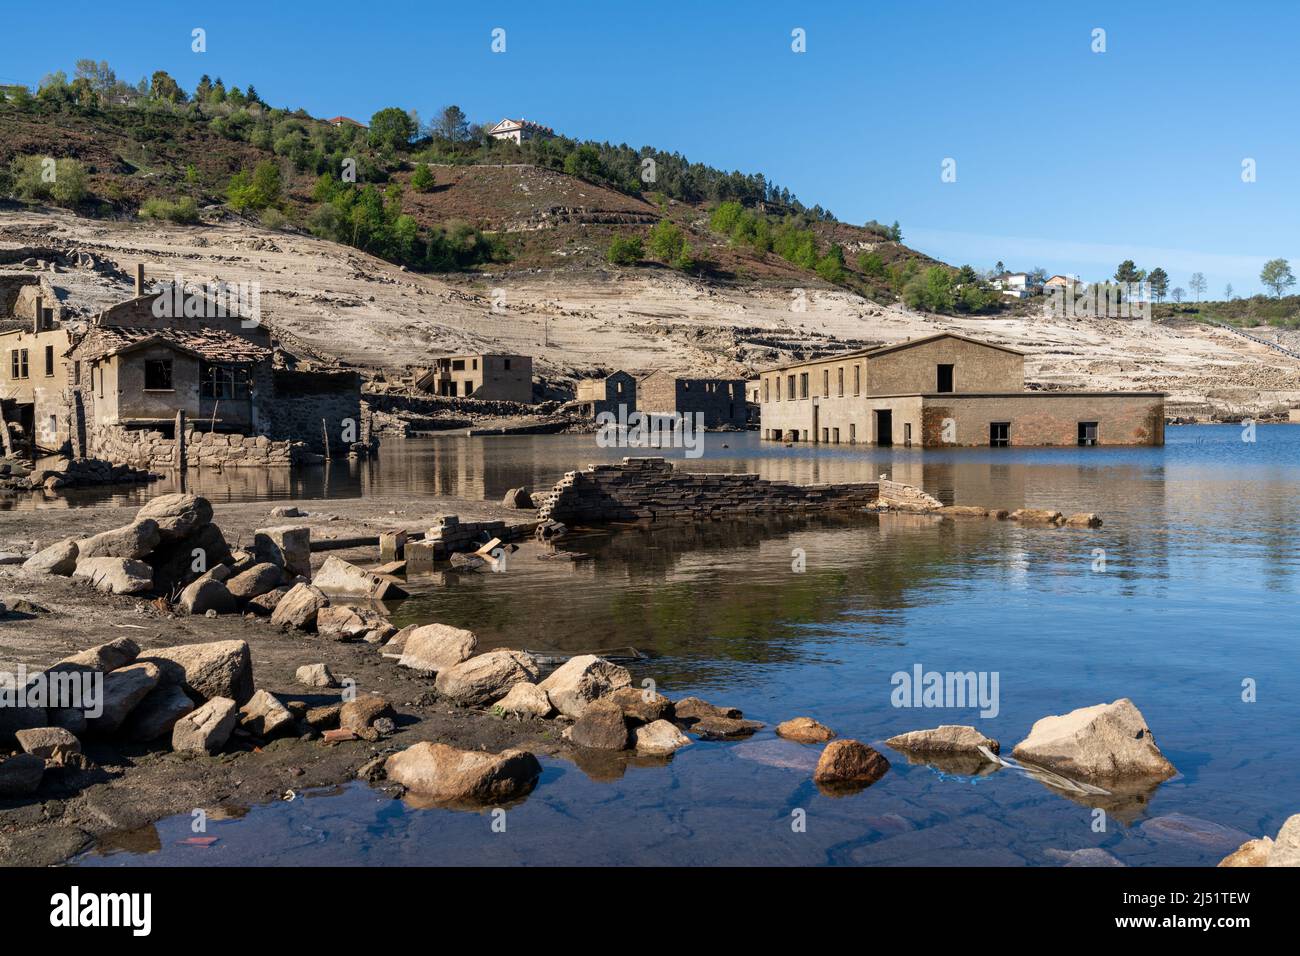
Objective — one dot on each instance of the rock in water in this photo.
(486, 678)
(641, 706)
(434, 648)
(692, 708)
(944, 739)
(448, 775)
(581, 680)
(601, 727)
(1103, 742)
(804, 730)
(849, 762)
(208, 728)
(215, 669)
(659, 738)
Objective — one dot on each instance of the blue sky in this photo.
(1065, 158)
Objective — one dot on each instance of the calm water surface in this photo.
(1197, 595)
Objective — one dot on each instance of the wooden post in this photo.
(325, 434)
(180, 439)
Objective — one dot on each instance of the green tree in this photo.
(1127, 272)
(625, 250)
(584, 162)
(391, 128)
(1158, 282)
(667, 242)
(452, 124)
(255, 192)
(422, 179)
(1277, 276)
(163, 87)
(831, 266)
(869, 263)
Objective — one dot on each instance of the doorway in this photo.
(945, 379)
(884, 427)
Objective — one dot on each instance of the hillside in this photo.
(730, 310)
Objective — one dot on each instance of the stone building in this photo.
(945, 390)
(607, 394)
(487, 376)
(120, 386)
(720, 400)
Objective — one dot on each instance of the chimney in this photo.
(139, 279)
(38, 314)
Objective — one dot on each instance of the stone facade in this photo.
(147, 448)
(492, 377)
(944, 391)
(606, 394)
(720, 400)
(651, 489)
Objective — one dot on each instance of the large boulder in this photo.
(690, 709)
(525, 700)
(804, 730)
(341, 578)
(258, 580)
(102, 657)
(181, 561)
(208, 728)
(58, 558)
(115, 575)
(434, 648)
(287, 546)
(21, 775)
(581, 680)
(658, 738)
(123, 689)
(724, 728)
(156, 715)
(361, 712)
(849, 762)
(348, 622)
(486, 678)
(448, 775)
(177, 516)
(130, 541)
(299, 607)
(944, 739)
(641, 706)
(264, 716)
(204, 595)
(1286, 848)
(216, 669)
(520, 498)
(601, 727)
(44, 741)
(1250, 853)
(1104, 742)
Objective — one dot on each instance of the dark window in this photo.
(158, 375)
(907, 434)
(458, 365)
(999, 434)
(884, 427)
(826, 382)
(1087, 433)
(76, 373)
(945, 378)
(507, 364)
(767, 389)
(841, 381)
(222, 383)
(18, 363)
(857, 380)
(803, 384)
(790, 390)
(49, 360)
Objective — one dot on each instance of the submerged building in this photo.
(945, 390)
(484, 376)
(721, 401)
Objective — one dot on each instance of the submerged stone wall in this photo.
(895, 494)
(642, 489)
(146, 448)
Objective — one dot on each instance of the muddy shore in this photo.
(129, 786)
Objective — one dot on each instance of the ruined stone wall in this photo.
(153, 449)
(651, 489)
(301, 401)
(895, 494)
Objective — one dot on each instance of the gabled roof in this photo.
(213, 345)
(510, 124)
(875, 350)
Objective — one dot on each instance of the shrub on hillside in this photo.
(625, 250)
(183, 210)
(44, 179)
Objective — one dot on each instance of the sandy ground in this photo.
(132, 785)
(352, 306)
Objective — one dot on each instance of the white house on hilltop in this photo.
(519, 130)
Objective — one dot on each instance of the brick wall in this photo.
(651, 489)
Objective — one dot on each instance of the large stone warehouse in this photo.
(945, 390)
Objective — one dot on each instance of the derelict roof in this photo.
(875, 350)
(213, 345)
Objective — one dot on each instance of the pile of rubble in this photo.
(68, 472)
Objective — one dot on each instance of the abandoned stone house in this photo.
(487, 376)
(720, 400)
(607, 394)
(120, 386)
(945, 390)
